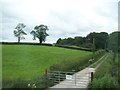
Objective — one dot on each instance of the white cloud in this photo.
(64, 18)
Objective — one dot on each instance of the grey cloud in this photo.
(65, 23)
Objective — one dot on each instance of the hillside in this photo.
(20, 61)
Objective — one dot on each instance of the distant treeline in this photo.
(101, 40)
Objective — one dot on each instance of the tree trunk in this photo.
(18, 39)
(40, 41)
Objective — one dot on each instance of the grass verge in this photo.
(106, 76)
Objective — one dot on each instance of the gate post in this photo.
(46, 73)
(91, 76)
(46, 76)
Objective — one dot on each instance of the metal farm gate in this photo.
(58, 76)
(71, 79)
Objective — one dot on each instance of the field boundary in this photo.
(75, 48)
(25, 43)
(46, 44)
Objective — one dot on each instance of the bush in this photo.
(104, 82)
(107, 75)
(71, 65)
(19, 83)
(76, 65)
(40, 82)
(76, 48)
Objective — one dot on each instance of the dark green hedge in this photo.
(24, 43)
(63, 46)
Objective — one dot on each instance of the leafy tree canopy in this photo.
(40, 33)
(19, 31)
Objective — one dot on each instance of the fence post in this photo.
(46, 76)
(46, 73)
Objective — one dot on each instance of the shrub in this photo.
(105, 82)
(71, 65)
(25, 43)
(77, 64)
(107, 75)
(76, 48)
(19, 83)
(40, 82)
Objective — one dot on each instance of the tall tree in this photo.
(99, 38)
(78, 41)
(59, 41)
(19, 31)
(40, 33)
(114, 41)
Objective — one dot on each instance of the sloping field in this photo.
(29, 61)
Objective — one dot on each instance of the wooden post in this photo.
(91, 76)
(46, 73)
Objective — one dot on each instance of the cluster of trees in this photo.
(100, 40)
(38, 32)
(78, 41)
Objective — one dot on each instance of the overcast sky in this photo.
(64, 18)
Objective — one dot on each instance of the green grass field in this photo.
(29, 61)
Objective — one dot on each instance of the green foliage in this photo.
(71, 41)
(87, 42)
(42, 82)
(70, 65)
(100, 39)
(104, 82)
(74, 47)
(104, 68)
(39, 82)
(106, 76)
(113, 41)
(59, 41)
(17, 83)
(40, 33)
(26, 43)
(77, 64)
(117, 61)
(19, 33)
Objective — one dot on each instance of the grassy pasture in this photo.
(29, 61)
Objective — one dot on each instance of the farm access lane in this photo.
(80, 79)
